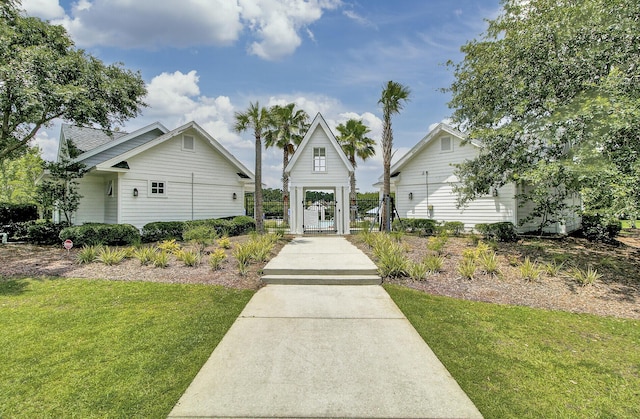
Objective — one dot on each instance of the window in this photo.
(157, 188)
(445, 144)
(188, 142)
(319, 159)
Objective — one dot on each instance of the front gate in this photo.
(319, 217)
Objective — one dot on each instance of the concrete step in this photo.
(320, 270)
(324, 279)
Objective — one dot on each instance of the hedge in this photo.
(502, 231)
(105, 234)
(595, 227)
(167, 230)
(416, 225)
(17, 213)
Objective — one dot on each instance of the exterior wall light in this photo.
(235, 196)
(410, 196)
(495, 192)
(135, 191)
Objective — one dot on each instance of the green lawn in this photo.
(517, 362)
(85, 348)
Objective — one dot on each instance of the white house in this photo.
(154, 174)
(423, 181)
(319, 164)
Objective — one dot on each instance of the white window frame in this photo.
(320, 159)
(159, 184)
(448, 149)
(184, 142)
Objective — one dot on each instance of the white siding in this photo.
(111, 202)
(432, 171)
(91, 209)
(571, 220)
(303, 175)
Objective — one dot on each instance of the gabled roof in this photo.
(319, 121)
(86, 139)
(422, 144)
(244, 173)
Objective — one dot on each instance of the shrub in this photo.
(392, 261)
(201, 235)
(104, 234)
(162, 230)
(598, 228)
(169, 246)
(453, 227)
(45, 232)
(503, 231)
(489, 263)
(243, 225)
(110, 256)
(88, 254)
(17, 213)
(424, 226)
(216, 259)
(224, 242)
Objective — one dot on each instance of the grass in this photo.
(92, 348)
(519, 362)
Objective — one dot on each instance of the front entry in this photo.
(319, 214)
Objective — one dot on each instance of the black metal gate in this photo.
(319, 217)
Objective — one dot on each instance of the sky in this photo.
(203, 60)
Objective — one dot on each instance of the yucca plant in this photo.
(418, 271)
(530, 271)
(161, 259)
(188, 257)
(110, 256)
(216, 258)
(587, 277)
(553, 268)
(392, 264)
(243, 254)
(170, 246)
(489, 262)
(145, 255)
(433, 263)
(467, 268)
(87, 254)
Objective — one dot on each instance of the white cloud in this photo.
(44, 9)
(151, 24)
(358, 19)
(47, 140)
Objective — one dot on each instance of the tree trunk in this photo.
(387, 140)
(353, 194)
(285, 186)
(258, 207)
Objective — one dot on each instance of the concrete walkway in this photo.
(323, 351)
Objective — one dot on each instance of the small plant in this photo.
(467, 268)
(224, 242)
(489, 263)
(513, 260)
(553, 268)
(200, 235)
(188, 257)
(587, 277)
(397, 235)
(243, 255)
(474, 238)
(392, 264)
(110, 256)
(216, 258)
(470, 254)
(437, 243)
(367, 237)
(129, 252)
(170, 246)
(145, 255)
(418, 271)
(161, 259)
(530, 271)
(88, 254)
(433, 263)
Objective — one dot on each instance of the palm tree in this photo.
(393, 96)
(354, 141)
(259, 119)
(287, 130)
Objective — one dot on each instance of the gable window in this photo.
(188, 142)
(319, 159)
(157, 188)
(445, 144)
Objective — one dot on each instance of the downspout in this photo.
(192, 194)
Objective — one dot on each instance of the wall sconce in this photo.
(494, 192)
(410, 196)
(235, 196)
(135, 191)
